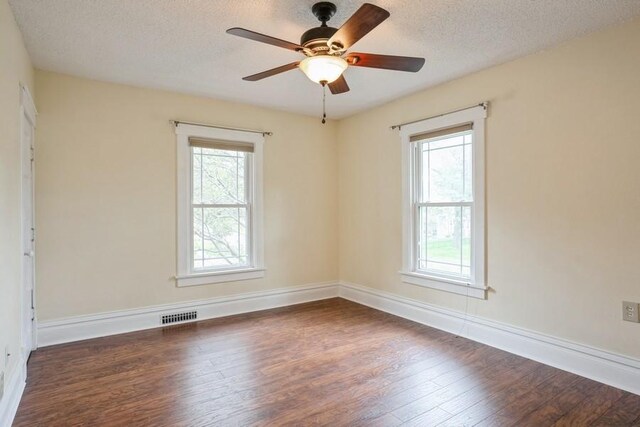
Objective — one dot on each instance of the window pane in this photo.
(197, 174)
(444, 243)
(468, 169)
(219, 237)
(446, 169)
(218, 176)
(466, 241)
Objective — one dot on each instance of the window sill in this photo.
(211, 277)
(442, 284)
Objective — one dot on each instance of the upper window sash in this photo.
(231, 199)
(422, 146)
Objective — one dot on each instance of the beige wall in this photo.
(563, 234)
(15, 68)
(563, 189)
(106, 196)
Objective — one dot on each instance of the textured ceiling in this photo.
(181, 45)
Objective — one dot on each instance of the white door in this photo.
(28, 226)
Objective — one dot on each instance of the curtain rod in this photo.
(484, 105)
(177, 122)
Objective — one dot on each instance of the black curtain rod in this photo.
(264, 133)
(484, 105)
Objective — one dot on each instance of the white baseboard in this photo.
(117, 322)
(13, 389)
(602, 366)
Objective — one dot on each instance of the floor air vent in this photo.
(178, 317)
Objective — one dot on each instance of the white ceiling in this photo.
(181, 45)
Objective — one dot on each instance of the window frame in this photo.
(475, 286)
(187, 275)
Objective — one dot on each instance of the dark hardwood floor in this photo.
(331, 362)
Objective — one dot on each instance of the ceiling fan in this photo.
(326, 47)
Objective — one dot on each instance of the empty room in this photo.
(301, 213)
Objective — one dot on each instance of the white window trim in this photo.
(185, 276)
(476, 286)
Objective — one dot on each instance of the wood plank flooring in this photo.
(330, 362)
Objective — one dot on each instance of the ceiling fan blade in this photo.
(271, 72)
(339, 86)
(387, 62)
(252, 35)
(358, 25)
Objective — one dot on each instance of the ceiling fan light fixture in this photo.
(323, 68)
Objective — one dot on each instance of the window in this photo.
(219, 205)
(443, 167)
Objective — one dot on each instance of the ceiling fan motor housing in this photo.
(316, 38)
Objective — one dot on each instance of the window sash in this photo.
(418, 151)
(417, 237)
(247, 240)
(247, 169)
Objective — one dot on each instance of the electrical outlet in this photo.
(630, 311)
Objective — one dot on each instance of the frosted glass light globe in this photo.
(323, 68)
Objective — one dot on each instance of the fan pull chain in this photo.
(324, 108)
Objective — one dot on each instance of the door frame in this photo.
(28, 115)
